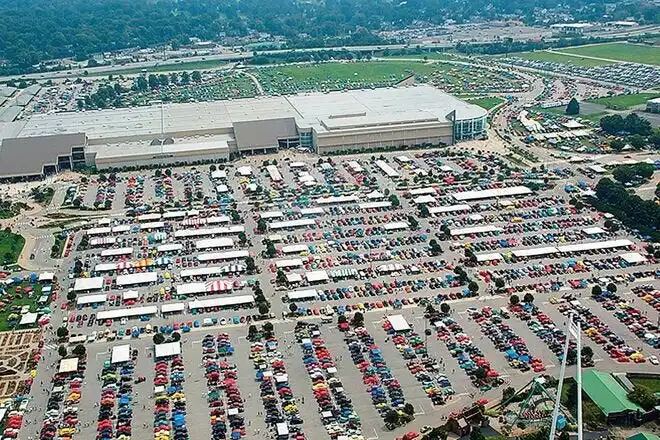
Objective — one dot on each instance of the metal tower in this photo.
(572, 330)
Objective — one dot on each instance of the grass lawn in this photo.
(339, 76)
(19, 301)
(169, 67)
(487, 103)
(634, 53)
(559, 58)
(651, 383)
(11, 246)
(623, 102)
(428, 55)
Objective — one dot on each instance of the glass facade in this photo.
(470, 128)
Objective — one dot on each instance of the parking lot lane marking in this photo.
(599, 360)
(375, 437)
(197, 342)
(550, 366)
(421, 411)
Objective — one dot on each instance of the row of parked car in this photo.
(422, 366)
(61, 418)
(170, 410)
(491, 323)
(280, 408)
(383, 387)
(335, 407)
(223, 396)
(116, 390)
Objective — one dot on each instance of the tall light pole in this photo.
(572, 330)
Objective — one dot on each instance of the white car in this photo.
(654, 360)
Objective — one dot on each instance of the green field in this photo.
(551, 57)
(651, 383)
(421, 56)
(633, 53)
(11, 246)
(339, 76)
(169, 67)
(11, 299)
(487, 103)
(623, 102)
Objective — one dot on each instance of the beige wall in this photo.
(382, 137)
(118, 162)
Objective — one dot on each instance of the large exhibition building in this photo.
(177, 133)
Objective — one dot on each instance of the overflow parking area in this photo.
(293, 245)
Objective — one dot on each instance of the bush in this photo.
(79, 350)
(596, 291)
(158, 338)
(176, 336)
(514, 300)
(62, 351)
(62, 332)
(643, 397)
(268, 327)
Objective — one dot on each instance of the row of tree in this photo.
(630, 209)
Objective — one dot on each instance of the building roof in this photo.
(643, 436)
(125, 150)
(120, 353)
(269, 117)
(606, 392)
(27, 155)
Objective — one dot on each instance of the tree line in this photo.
(32, 31)
(630, 209)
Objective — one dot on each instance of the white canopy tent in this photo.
(398, 323)
(84, 284)
(120, 354)
(168, 349)
(126, 313)
(137, 278)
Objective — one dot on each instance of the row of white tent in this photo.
(229, 301)
(567, 249)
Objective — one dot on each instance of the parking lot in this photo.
(203, 253)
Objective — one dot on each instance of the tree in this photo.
(358, 319)
(473, 287)
(436, 433)
(391, 419)
(263, 308)
(163, 80)
(476, 434)
(341, 319)
(573, 107)
(435, 247)
(242, 238)
(528, 298)
(268, 327)
(79, 350)
(643, 397)
(611, 287)
(637, 141)
(252, 331)
(508, 393)
(394, 200)
(596, 290)
(444, 308)
(270, 249)
(62, 351)
(185, 78)
(62, 332)
(409, 409)
(499, 283)
(281, 277)
(612, 124)
(249, 264)
(293, 308)
(71, 296)
(514, 300)
(424, 211)
(158, 338)
(261, 225)
(196, 76)
(153, 82)
(176, 336)
(412, 221)
(587, 352)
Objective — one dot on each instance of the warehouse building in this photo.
(653, 105)
(170, 134)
